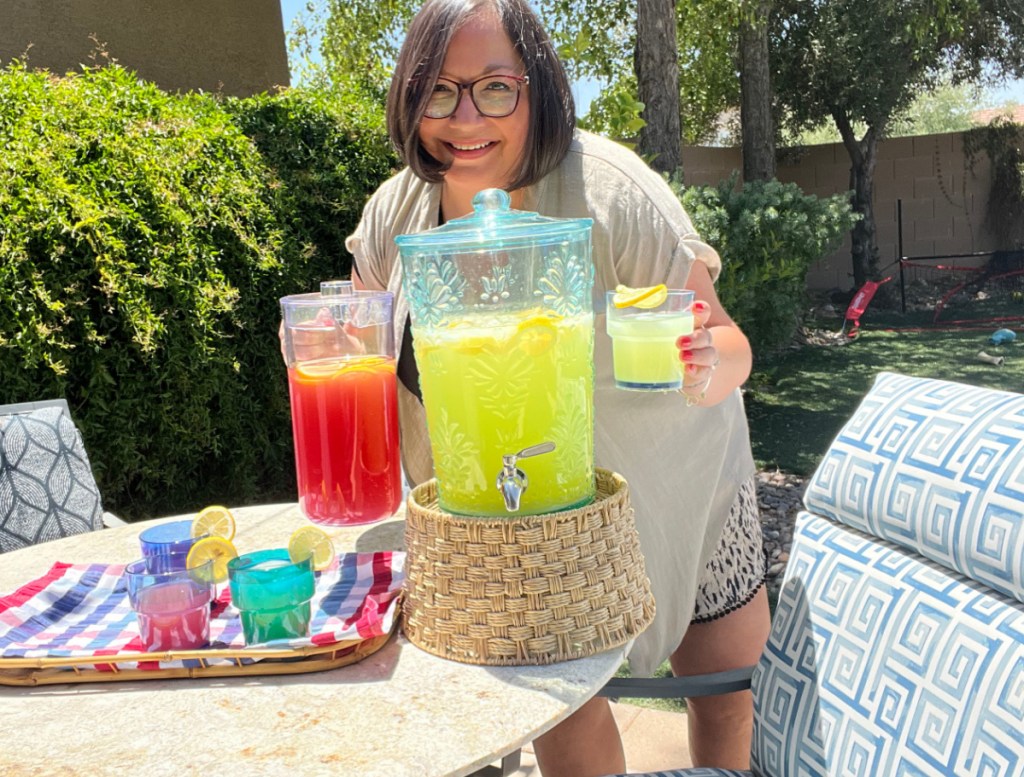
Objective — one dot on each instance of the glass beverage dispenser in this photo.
(502, 323)
(340, 354)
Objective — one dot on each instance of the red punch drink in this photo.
(173, 616)
(345, 426)
(340, 352)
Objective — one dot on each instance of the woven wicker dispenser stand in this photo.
(525, 590)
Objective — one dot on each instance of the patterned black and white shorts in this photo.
(737, 571)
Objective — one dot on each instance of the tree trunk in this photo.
(656, 61)
(756, 98)
(863, 156)
(862, 181)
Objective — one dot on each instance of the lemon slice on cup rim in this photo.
(645, 298)
(311, 541)
(214, 521)
(216, 549)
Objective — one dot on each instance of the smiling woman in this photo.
(471, 149)
(476, 148)
(479, 100)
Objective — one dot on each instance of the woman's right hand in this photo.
(717, 346)
(698, 353)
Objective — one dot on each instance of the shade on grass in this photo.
(798, 400)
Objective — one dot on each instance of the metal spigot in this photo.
(512, 481)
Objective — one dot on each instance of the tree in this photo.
(947, 108)
(657, 75)
(358, 41)
(708, 67)
(758, 128)
(597, 39)
(860, 63)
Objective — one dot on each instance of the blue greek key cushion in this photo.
(47, 490)
(882, 663)
(937, 467)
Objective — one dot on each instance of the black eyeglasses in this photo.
(493, 96)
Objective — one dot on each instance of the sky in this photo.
(583, 92)
(586, 91)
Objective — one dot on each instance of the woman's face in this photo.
(483, 151)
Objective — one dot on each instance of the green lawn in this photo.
(798, 400)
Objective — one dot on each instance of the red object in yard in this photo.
(859, 304)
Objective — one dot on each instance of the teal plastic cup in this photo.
(272, 593)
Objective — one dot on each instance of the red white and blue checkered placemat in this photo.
(82, 610)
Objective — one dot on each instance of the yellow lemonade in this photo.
(644, 349)
(492, 390)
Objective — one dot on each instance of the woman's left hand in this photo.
(698, 353)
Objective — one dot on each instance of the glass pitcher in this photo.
(502, 323)
(340, 353)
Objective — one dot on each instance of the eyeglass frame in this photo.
(468, 87)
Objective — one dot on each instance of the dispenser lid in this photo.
(493, 224)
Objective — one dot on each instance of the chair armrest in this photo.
(110, 520)
(712, 684)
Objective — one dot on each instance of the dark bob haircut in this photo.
(552, 110)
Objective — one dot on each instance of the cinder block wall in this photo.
(943, 198)
(236, 47)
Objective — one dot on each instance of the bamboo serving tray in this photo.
(256, 661)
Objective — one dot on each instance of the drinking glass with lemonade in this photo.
(644, 325)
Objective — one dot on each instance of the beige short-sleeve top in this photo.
(684, 465)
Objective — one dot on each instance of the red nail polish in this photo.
(687, 355)
(700, 307)
(691, 367)
(684, 342)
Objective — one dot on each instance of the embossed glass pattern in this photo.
(503, 328)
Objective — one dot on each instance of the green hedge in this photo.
(328, 153)
(144, 241)
(768, 235)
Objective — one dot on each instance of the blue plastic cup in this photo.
(165, 546)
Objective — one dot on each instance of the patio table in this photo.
(401, 711)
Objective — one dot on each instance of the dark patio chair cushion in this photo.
(47, 489)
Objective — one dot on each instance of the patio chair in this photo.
(47, 489)
(897, 646)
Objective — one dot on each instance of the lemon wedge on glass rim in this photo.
(216, 549)
(645, 297)
(215, 521)
(311, 541)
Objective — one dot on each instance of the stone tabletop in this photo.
(401, 711)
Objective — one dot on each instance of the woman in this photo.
(480, 100)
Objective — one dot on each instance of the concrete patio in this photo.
(653, 739)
